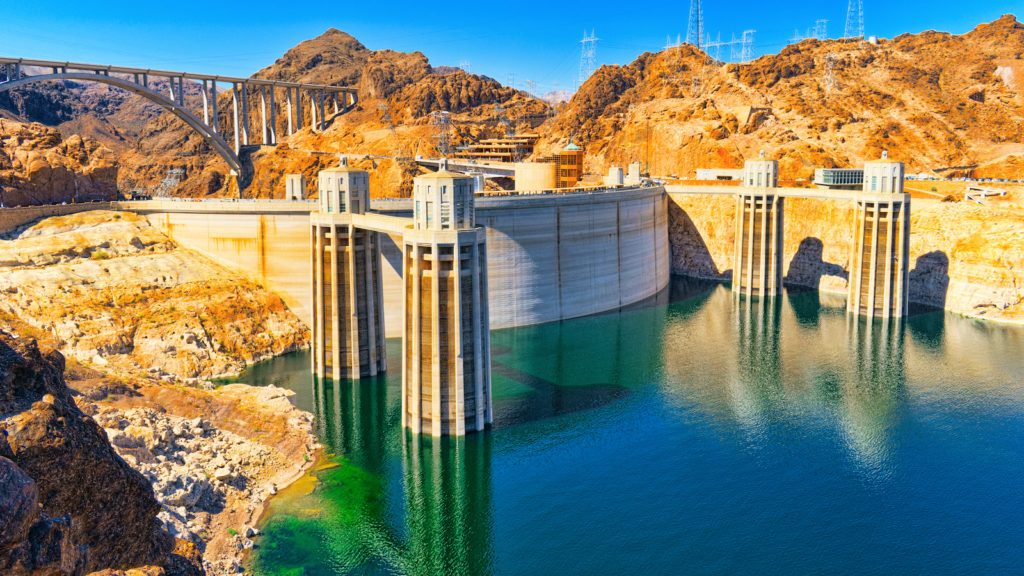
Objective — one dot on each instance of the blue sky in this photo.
(539, 41)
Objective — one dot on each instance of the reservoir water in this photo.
(701, 434)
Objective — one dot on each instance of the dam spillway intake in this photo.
(879, 268)
(348, 316)
(757, 263)
(446, 375)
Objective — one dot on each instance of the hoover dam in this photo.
(550, 256)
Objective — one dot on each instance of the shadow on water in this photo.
(557, 369)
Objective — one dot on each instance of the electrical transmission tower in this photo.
(588, 56)
(386, 119)
(465, 67)
(747, 51)
(821, 29)
(830, 73)
(504, 121)
(855, 19)
(443, 122)
(695, 29)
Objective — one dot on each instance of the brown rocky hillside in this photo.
(942, 103)
(405, 83)
(39, 166)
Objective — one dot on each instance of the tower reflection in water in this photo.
(772, 367)
(871, 398)
(398, 502)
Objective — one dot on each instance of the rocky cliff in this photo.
(71, 505)
(115, 291)
(941, 103)
(39, 166)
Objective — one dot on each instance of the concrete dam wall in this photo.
(549, 257)
(11, 218)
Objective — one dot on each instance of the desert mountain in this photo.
(945, 104)
(942, 103)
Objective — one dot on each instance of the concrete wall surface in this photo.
(11, 218)
(549, 257)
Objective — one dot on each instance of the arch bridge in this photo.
(17, 72)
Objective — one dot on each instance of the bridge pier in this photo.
(446, 376)
(213, 97)
(245, 114)
(348, 317)
(757, 264)
(273, 119)
(312, 113)
(288, 92)
(234, 115)
(263, 115)
(879, 268)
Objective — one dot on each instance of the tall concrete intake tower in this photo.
(757, 264)
(348, 313)
(879, 270)
(446, 372)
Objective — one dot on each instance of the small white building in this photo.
(344, 189)
(294, 187)
(883, 176)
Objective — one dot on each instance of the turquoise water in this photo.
(705, 435)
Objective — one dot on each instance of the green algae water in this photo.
(703, 434)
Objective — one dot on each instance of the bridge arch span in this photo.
(213, 139)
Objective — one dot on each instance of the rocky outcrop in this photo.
(39, 166)
(57, 457)
(119, 294)
(213, 483)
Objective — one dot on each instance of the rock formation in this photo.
(57, 458)
(39, 166)
(116, 291)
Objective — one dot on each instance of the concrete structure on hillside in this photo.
(879, 270)
(294, 187)
(568, 165)
(509, 149)
(839, 178)
(348, 317)
(633, 177)
(614, 178)
(758, 251)
(719, 174)
(446, 372)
